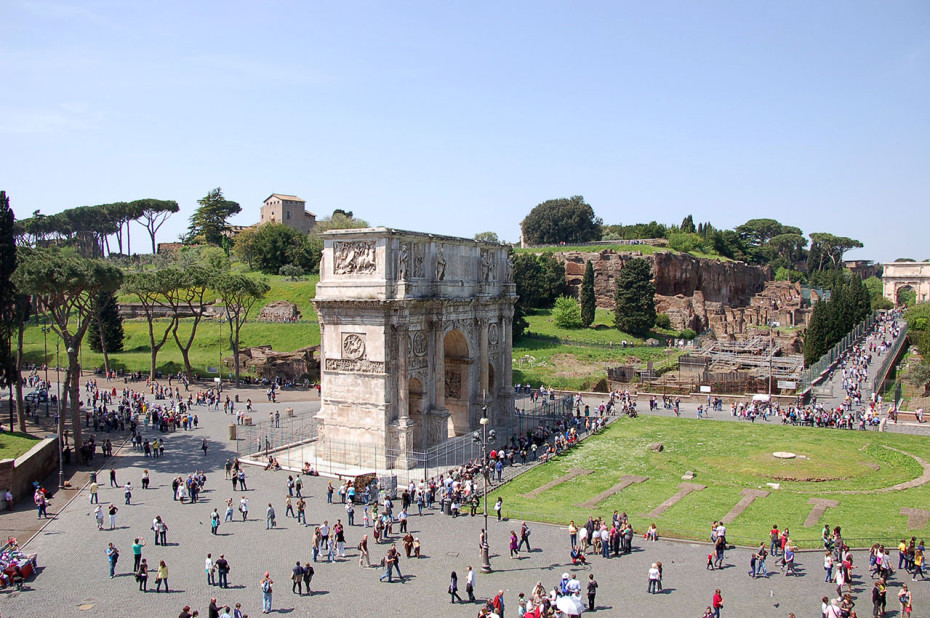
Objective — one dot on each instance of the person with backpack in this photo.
(267, 591)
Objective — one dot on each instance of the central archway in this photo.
(457, 380)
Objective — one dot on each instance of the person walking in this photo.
(297, 578)
(717, 603)
(203, 447)
(269, 517)
(524, 537)
(904, 598)
(879, 592)
(229, 510)
(41, 504)
(267, 591)
(93, 492)
(128, 492)
(98, 516)
(112, 558)
(498, 507)
(470, 584)
(214, 521)
(454, 588)
(592, 591)
(244, 508)
(308, 577)
(363, 556)
(142, 576)
(161, 576)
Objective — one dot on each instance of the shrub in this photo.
(567, 312)
(688, 334)
(663, 321)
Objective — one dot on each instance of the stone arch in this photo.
(458, 380)
(901, 293)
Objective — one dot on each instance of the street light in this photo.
(487, 438)
(61, 434)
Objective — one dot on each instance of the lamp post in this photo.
(487, 438)
(219, 367)
(61, 434)
(45, 331)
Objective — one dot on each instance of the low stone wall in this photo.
(35, 465)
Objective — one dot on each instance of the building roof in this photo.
(292, 198)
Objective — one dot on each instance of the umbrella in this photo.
(570, 605)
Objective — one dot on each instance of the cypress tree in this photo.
(588, 303)
(7, 291)
(107, 319)
(635, 298)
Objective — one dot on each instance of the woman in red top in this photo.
(718, 603)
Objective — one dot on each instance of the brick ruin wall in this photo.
(729, 298)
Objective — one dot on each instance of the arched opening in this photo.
(415, 412)
(457, 381)
(905, 296)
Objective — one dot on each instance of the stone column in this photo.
(402, 379)
(483, 355)
(438, 366)
(506, 354)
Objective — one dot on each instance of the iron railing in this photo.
(815, 371)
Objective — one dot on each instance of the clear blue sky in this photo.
(460, 117)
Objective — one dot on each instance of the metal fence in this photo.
(258, 439)
(878, 382)
(813, 373)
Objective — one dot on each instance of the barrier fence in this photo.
(884, 368)
(810, 375)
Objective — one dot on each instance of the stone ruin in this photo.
(262, 361)
(279, 311)
(726, 297)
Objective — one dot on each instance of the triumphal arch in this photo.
(898, 275)
(416, 337)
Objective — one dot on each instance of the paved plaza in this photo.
(74, 578)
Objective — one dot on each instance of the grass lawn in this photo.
(577, 367)
(212, 337)
(727, 458)
(12, 445)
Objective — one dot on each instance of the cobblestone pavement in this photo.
(74, 581)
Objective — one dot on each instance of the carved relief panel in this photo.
(354, 257)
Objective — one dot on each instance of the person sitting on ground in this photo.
(653, 533)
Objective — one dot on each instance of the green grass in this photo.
(729, 457)
(212, 337)
(12, 445)
(577, 367)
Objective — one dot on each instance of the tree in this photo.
(244, 246)
(919, 376)
(567, 312)
(564, 220)
(155, 213)
(588, 299)
(293, 273)
(539, 279)
(757, 232)
(687, 225)
(105, 332)
(788, 246)
(7, 292)
(209, 222)
(63, 285)
(635, 298)
(185, 290)
(239, 294)
(729, 244)
(685, 242)
(486, 237)
(152, 289)
(828, 249)
(815, 335)
(274, 245)
(339, 220)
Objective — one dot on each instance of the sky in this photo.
(460, 117)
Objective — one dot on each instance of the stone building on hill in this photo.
(289, 210)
